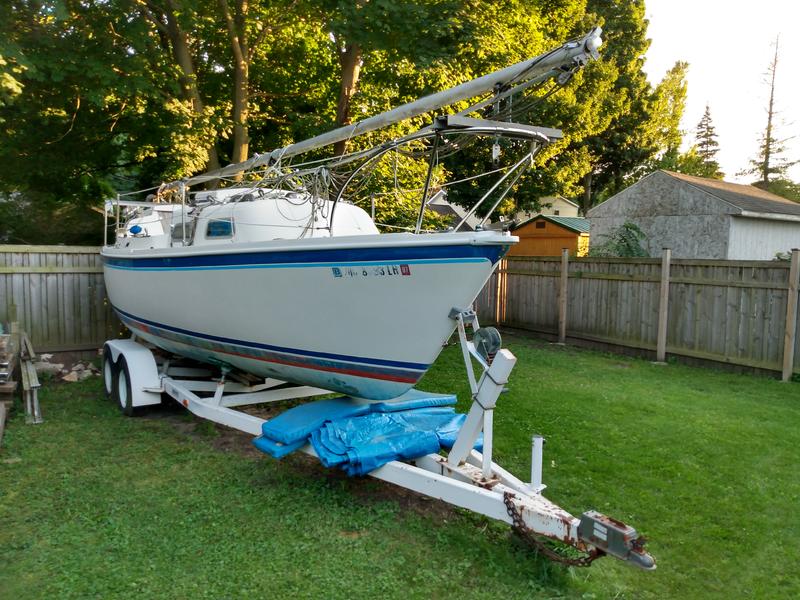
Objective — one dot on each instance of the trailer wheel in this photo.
(122, 387)
(109, 371)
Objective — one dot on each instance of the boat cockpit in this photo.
(238, 215)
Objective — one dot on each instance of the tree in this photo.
(780, 186)
(643, 122)
(699, 159)
(706, 137)
(385, 32)
(769, 163)
(97, 97)
(689, 162)
(707, 147)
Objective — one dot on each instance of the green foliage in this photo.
(689, 162)
(31, 219)
(623, 242)
(418, 30)
(94, 98)
(785, 188)
(642, 122)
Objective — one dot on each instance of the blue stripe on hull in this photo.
(313, 258)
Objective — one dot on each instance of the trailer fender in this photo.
(145, 379)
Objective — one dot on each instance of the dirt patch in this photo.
(351, 535)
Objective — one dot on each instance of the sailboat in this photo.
(283, 275)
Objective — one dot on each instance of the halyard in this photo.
(93, 504)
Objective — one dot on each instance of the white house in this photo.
(554, 206)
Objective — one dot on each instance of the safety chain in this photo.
(529, 536)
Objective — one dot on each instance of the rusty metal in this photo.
(541, 546)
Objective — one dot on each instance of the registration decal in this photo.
(373, 271)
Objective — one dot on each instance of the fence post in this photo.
(791, 316)
(562, 297)
(663, 307)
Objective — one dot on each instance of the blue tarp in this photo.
(361, 437)
(299, 422)
(361, 444)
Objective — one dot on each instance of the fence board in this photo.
(728, 311)
(60, 295)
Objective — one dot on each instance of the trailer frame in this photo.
(135, 377)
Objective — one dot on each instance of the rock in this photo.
(71, 376)
(45, 357)
(79, 367)
(84, 375)
(46, 367)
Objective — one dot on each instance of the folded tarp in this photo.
(360, 436)
(299, 422)
(361, 444)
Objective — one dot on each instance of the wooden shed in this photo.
(546, 235)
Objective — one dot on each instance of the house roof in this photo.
(747, 198)
(567, 200)
(441, 206)
(576, 224)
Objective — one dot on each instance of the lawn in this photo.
(93, 504)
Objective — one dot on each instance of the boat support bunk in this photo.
(464, 477)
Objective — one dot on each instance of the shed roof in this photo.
(744, 197)
(576, 224)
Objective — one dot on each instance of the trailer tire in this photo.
(123, 392)
(110, 369)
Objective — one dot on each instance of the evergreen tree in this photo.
(706, 138)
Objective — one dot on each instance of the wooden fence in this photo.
(58, 296)
(739, 312)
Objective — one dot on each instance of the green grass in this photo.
(702, 462)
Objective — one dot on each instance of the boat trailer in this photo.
(134, 377)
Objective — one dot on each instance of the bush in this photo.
(625, 241)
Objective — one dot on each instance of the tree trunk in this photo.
(768, 141)
(183, 56)
(587, 193)
(241, 138)
(350, 61)
(237, 32)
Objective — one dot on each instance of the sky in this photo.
(729, 45)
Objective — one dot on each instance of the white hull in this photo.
(365, 315)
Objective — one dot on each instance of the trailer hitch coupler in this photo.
(614, 538)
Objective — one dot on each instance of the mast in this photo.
(562, 59)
